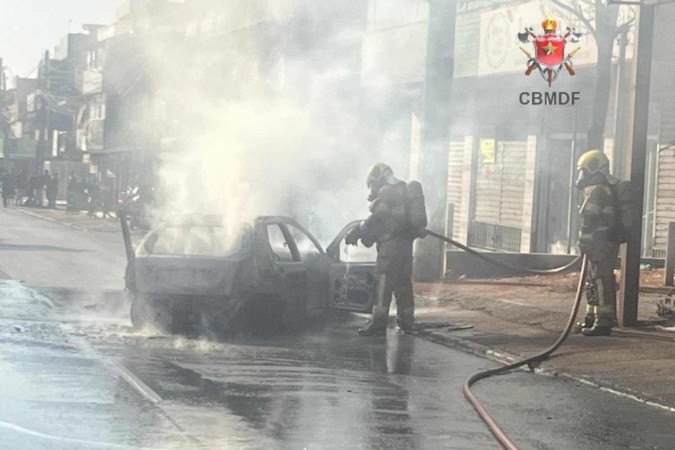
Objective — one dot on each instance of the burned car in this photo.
(201, 274)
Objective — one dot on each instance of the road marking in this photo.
(86, 348)
(124, 373)
(135, 382)
(486, 352)
(51, 437)
(619, 393)
(109, 364)
(47, 218)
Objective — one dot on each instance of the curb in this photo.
(49, 219)
(28, 212)
(483, 351)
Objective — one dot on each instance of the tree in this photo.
(602, 22)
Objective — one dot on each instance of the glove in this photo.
(367, 242)
(353, 236)
(586, 247)
(420, 233)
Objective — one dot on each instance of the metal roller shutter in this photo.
(665, 198)
(454, 195)
(500, 191)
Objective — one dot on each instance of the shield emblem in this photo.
(550, 50)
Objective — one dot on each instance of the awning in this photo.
(23, 148)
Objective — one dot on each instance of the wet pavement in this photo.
(75, 375)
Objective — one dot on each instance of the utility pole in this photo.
(572, 195)
(3, 78)
(429, 252)
(631, 253)
(3, 121)
(45, 85)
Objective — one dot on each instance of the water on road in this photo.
(76, 375)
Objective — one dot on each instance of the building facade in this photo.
(510, 166)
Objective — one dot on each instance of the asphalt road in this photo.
(75, 375)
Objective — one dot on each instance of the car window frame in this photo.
(143, 251)
(295, 254)
(334, 248)
(307, 234)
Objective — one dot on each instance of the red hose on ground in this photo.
(498, 433)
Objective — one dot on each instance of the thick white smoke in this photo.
(290, 139)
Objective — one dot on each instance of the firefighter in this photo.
(599, 240)
(389, 227)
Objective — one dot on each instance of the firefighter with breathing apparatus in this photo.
(397, 218)
(602, 231)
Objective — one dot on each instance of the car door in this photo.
(316, 263)
(352, 280)
(288, 268)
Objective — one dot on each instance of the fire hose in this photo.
(531, 361)
(503, 265)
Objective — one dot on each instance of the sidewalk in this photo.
(512, 321)
(74, 219)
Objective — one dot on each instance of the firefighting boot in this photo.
(405, 320)
(588, 321)
(596, 330)
(378, 323)
(602, 326)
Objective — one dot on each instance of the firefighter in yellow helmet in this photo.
(388, 227)
(599, 240)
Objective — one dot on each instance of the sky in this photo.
(29, 27)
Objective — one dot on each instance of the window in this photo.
(195, 240)
(165, 242)
(305, 245)
(357, 254)
(30, 103)
(279, 247)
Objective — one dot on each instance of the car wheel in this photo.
(144, 312)
(294, 314)
(210, 319)
(140, 311)
(164, 317)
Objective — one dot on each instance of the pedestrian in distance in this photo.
(71, 193)
(93, 192)
(397, 218)
(52, 190)
(23, 189)
(8, 188)
(108, 200)
(35, 190)
(44, 187)
(81, 197)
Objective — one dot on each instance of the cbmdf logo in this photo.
(549, 56)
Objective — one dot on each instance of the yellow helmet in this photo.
(593, 161)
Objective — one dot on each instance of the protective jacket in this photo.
(388, 218)
(598, 239)
(598, 217)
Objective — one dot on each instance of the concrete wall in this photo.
(460, 263)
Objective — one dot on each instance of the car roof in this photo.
(219, 219)
(194, 219)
